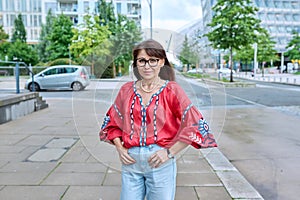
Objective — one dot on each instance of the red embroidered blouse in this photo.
(168, 117)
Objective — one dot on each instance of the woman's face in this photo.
(148, 66)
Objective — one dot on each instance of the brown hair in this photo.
(153, 48)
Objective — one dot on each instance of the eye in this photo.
(141, 61)
(153, 60)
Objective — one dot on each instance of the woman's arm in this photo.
(125, 158)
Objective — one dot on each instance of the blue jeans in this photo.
(139, 180)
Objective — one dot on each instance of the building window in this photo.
(10, 5)
(1, 9)
(1, 20)
(86, 6)
(50, 6)
(24, 19)
(119, 8)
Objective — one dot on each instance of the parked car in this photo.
(60, 77)
(195, 71)
(225, 71)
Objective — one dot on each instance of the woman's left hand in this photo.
(158, 158)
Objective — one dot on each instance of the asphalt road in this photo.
(260, 135)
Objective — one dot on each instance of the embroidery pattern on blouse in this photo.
(131, 117)
(185, 111)
(203, 127)
(143, 131)
(106, 120)
(117, 110)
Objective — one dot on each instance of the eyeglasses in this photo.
(152, 62)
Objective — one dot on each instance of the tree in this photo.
(22, 52)
(90, 41)
(19, 32)
(294, 47)
(125, 36)
(188, 54)
(43, 41)
(60, 38)
(4, 44)
(234, 25)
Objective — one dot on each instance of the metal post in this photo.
(17, 74)
(282, 62)
(255, 59)
(150, 7)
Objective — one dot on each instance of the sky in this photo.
(170, 14)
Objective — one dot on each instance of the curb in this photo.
(234, 182)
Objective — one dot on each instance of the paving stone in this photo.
(13, 167)
(22, 178)
(196, 166)
(187, 193)
(93, 193)
(32, 192)
(35, 140)
(86, 179)
(76, 154)
(237, 186)
(11, 148)
(61, 142)
(112, 179)
(47, 155)
(81, 167)
(6, 139)
(212, 193)
(198, 179)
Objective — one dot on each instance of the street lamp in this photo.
(150, 7)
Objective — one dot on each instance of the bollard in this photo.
(287, 80)
(295, 80)
(17, 74)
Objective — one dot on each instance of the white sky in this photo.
(171, 14)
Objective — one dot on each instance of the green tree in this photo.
(43, 41)
(234, 25)
(294, 47)
(19, 32)
(4, 44)
(125, 36)
(188, 54)
(22, 52)
(59, 38)
(90, 41)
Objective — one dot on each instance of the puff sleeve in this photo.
(194, 129)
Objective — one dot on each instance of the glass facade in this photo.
(279, 17)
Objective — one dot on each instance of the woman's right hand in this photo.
(125, 158)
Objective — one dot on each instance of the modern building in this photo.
(34, 12)
(279, 17)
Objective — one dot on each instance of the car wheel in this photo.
(76, 86)
(35, 85)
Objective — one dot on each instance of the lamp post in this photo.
(150, 7)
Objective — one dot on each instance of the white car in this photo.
(60, 77)
(225, 71)
(195, 71)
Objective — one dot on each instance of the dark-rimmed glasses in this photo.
(152, 62)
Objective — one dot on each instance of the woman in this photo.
(150, 122)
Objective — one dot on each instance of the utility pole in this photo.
(150, 7)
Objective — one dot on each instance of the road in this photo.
(257, 128)
(260, 135)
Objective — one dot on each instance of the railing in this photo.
(17, 73)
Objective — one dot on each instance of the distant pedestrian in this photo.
(150, 122)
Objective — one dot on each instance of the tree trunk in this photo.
(231, 65)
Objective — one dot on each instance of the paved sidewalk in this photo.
(56, 154)
(290, 79)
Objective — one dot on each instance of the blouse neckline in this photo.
(153, 95)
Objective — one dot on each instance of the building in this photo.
(34, 12)
(279, 17)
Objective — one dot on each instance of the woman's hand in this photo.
(125, 158)
(158, 158)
